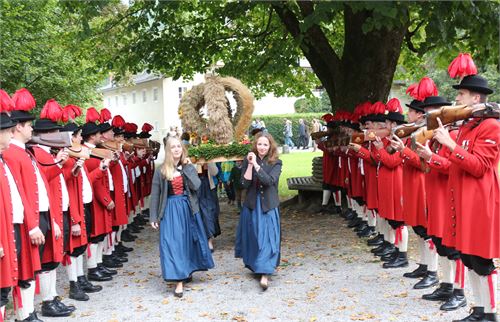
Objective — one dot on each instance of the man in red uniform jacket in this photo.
(49, 168)
(474, 197)
(8, 192)
(102, 205)
(414, 204)
(451, 290)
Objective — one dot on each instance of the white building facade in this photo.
(155, 99)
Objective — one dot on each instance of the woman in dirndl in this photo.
(174, 210)
(258, 236)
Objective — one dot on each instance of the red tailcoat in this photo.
(335, 179)
(390, 183)
(120, 214)
(370, 170)
(76, 211)
(327, 162)
(473, 189)
(21, 167)
(356, 179)
(54, 248)
(8, 263)
(414, 199)
(436, 182)
(101, 216)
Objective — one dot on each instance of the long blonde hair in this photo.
(168, 166)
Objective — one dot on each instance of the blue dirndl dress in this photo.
(209, 207)
(183, 242)
(258, 239)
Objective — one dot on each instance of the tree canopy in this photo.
(42, 49)
(353, 47)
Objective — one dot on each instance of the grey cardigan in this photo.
(159, 191)
(267, 189)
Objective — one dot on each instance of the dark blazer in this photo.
(159, 191)
(267, 188)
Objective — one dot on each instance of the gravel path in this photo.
(327, 274)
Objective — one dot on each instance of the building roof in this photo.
(136, 79)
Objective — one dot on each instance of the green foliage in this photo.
(211, 151)
(275, 124)
(295, 165)
(313, 104)
(40, 50)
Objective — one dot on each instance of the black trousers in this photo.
(17, 234)
(421, 231)
(45, 227)
(445, 251)
(482, 266)
(4, 296)
(395, 224)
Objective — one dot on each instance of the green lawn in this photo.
(295, 165)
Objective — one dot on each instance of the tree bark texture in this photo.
(366, 68)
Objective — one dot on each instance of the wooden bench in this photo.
(308, 186)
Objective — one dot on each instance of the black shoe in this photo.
(61, 305)
(50, 309)
(389, 249)
(118, 259)
(477, 314)
(354, 222)
(367, 232)
(442, 293)
(391, 256)
(123, 248)
(32, 318)
(400, 260)
(96, 275)
(361, 227)
(127, 236)
(379, 247)
(106, 271)
(337, 210)
(88, 287)
(109, 262)
(455, 301)
(430, 279)
(76, 293)
(418, 272)
(119, 253)
(349, 215)
(134, 228)
(376, 241)
(179, 295)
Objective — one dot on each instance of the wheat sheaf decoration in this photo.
(220, 125)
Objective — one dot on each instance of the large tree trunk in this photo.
(366, 69)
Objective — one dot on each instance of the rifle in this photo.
(369, 135)
(53, 140)
(452, 114)
(421, 136)
(405, 130)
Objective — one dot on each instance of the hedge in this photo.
(275, 124)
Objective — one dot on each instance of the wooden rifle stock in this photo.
(368, 135)
(452, 114)
(78, 151)
(102, 153)
(405, 130)
(421, 136)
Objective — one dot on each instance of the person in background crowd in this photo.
(288, 133)
(302, 135)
